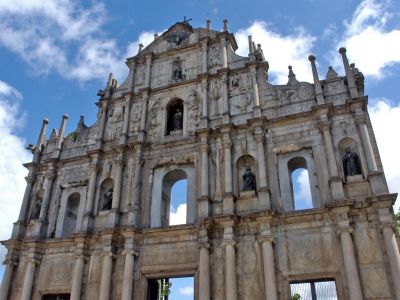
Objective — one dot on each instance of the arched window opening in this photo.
(106, 194)
(174, 198)
(175, 117)
(71, 214)
(178, 203)
(300, 184)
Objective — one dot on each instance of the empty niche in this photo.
(71, 214)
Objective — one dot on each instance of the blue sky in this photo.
(55, 55)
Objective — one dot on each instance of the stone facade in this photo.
(94, 218)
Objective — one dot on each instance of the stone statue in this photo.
(249, 180)
(177, 120)
(351, 164)
(107, 201)
(36, 210)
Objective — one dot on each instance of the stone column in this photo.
(148, 70)
(5, 284)
(28, 279)
(60, 137)
(143, 117)
(392, 249)
(255, 86)
(204, 65)
(106, 272)
(204, 272)
(350, 78)
(225, 101)
(204, 91)
(369, 152)
(224, 53)
(317, 84)
(40, 142)
(77, 277)
(230, 275)
(349, 257)
(133, 219)
(268, 262)
(325, 127)
(265, 202)
(92, 186)
(103, 107)
(227, 167)
(127, 283)
(117, 184)
(30, 180)
(218, 188)
(48, 186)
(127, 107)
(204, 168)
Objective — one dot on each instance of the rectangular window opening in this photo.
(56, 297)
(173, 288)
(321, 289)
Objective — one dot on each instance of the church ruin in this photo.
(94, 221)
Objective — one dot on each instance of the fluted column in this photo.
(48, 186)
(106, 272)
(269, 269)
(127, 283)
(5, 284)
(350, 262)
(28, 279)
(92, 186)
(369, 152)
(225, 101)
(350, 78)
(77, 278)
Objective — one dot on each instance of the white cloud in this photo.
(63, 37)
(13, 154)
(369, 39)
(279, 50)
(178, 216)
(186, 291)
(385, 117)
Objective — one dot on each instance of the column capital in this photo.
(226, 144)
(130, 252)
(30, 179)
(203, 245)
(204, 148)
(360, 119)
(259, 137)
(323, 125)
(108, 254)
(228, 243)
(341, 230)
(266, 239)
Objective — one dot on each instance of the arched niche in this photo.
(287, 164)
(106, 194)
(244, 163)
(36, 205)
(71, 214)
(163, 180)
(175, 116)
(71, 211)
(346, 145)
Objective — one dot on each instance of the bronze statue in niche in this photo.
(351, 163)
(249, 180)
(107, 200)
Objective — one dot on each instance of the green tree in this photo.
(398, 220)
(296, 296)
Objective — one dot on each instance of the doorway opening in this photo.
(173, 288)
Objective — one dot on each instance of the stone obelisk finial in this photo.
(317, 84)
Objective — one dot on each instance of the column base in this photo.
(226, 118)
(123, 139)
(133, 218)
(336, 188)
(203, 122)
(36, 229)
(378, 184)
(203, 207)
(257, 111)
(228, 205)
